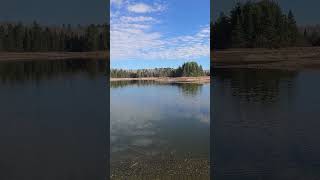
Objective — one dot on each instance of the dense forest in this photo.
(260, 24)
(18, 37)
(188, 69)
(312, 34)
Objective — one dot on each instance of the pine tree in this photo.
(305, 33)
(238, 40)
(92, 35)
(249, 27)
(18, 37)
(256, 24)
(2, 37)
(293, 30)
(221, 32)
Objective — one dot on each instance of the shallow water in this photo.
(153, 121)
(53, 119)
(265, 124)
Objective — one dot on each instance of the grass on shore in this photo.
(201, 79)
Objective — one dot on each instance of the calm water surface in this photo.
(266, 125)
(53, 120)
(150, 119)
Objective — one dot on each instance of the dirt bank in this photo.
(18, 56)
(286, 58)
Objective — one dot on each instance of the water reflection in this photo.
(122, 84)
(19, 71)
(256, 86)
(53, 119)
(265, 124)
(151, 120)
(188, 89)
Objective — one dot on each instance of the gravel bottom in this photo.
(149, 169)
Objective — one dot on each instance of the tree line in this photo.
(188, 69)
(18, 37)
(312, 34)
(259, 24)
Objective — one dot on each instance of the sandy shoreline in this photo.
(198, 80)
(284, 59)
(20, 56)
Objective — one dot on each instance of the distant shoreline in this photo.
(25, 56)
(197, 80)
(290, 59)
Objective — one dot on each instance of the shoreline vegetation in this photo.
(260, 35)
(260, 24)
(33, 41)
(18, 37)
(189, 72)
(196, 80)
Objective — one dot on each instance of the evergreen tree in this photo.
(188, 69)
(9, 39)
(92, 35)
(19, 37)
(2, 37)
(293, 30)
(260, 24)
(221, 32)
(305, 33)
(249, 23)
(238, 40)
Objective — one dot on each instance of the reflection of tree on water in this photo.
(254, 85)
(47, 69)
(122, 84)
(190, 89)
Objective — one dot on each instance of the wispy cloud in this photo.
(145, 8)
(135, 36)
(137, 19)
(116, 2)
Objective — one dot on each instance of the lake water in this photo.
(265, 125)
(154, 121)
(53, 120)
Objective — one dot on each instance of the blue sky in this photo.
(159, 33)
(55, 12)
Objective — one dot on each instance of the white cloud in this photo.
(116, 2)
(129, 19)
(145, 8)
(136, 37)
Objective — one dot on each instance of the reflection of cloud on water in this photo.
(143, 141)
(140, 116)
(204, 118)
(132, 124)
